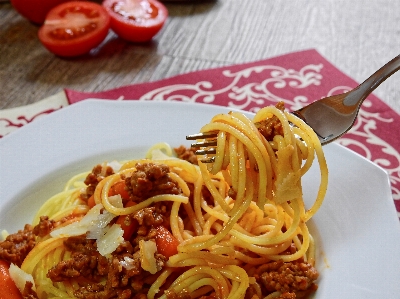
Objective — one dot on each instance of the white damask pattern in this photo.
(281, 78)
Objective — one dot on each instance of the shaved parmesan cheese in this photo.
(147, 249)
(97, 228)
(115, 165)
(287, 187)
(127, 263)
(95, 224)
(110, 241)
(288, 181)
(92, 215)
(73, 229)
(80, 227)
(20, 277)
(116, 201)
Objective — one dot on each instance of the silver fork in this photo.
(330, 117)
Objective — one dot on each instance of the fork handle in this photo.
(360, 93)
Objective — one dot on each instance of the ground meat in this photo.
(148, 217)
(271, 126)
(95, 291)
(149, 180)
(28, 292)
(98, 173)
(119, 276)
(91, 267)
(287, 295)
(133, 276)
(289, 278)
(125, 278)
(81, 244)
(16, 246)
(122, 282)
(44, 227)
(85, 262)
(122, 271)
(187, 154)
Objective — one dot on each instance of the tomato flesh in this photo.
(129, 227)
(74, 28)
(166, 243)
(8, 289)
(119, 188)
(136, 20)
(139, 12)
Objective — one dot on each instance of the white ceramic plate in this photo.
(357, 229)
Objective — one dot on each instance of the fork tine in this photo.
(207, 146)
(205, 143)
(208, 151)
(209, 160)
(202, 135)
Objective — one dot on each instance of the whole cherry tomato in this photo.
(74, 28)
(35, 10)
(136, 20)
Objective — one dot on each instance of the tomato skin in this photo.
(62, 19)
(166, 243)
(119, 188)
(35, 10)
(91, 203)
(140, 30)
(8, 289)
(130, 229)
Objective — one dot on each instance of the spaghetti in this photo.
(234, 228)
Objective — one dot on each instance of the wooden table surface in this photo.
(357, 36)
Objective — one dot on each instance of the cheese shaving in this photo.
(147, 259)
(80, 227)
(127, 263)
(110, 241)
(96, 225)
(20, 277)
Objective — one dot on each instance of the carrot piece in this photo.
(119, 188)
(8, 289)
(166, 243)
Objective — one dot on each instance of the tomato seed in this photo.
(141, 12)
(90, 13)
(72, 33)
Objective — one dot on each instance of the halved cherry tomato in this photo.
(35, 10)
(8, 289)
(136, 20)
(74, 28)
(119, 188)
(131, 228)
(166, 243)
